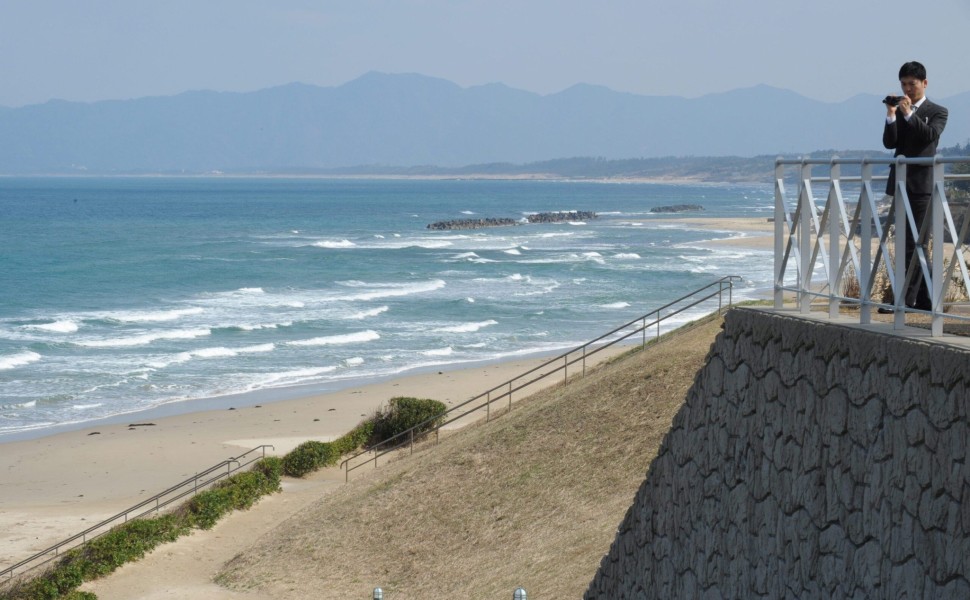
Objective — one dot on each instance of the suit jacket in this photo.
(915, 138)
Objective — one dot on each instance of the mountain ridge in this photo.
(409, 119)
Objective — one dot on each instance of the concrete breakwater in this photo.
(543, 217)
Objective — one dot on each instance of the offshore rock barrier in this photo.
(544, 217)
(677, 208)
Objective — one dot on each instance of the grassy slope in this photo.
(530, 499)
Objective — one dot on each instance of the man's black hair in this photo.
(913, 69)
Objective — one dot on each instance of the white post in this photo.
(834, 233)
(805, 201)
(779, 232)
(865, 237)
(899, 264)
(936, 210)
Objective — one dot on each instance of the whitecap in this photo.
(464, 255)
(160, 316)
(20, 359)
(467, 212)
(334, 245)
(353, 362)
(470, 300)
(627, 256)
(577, 222)
(369, 313)
(65, 326)
(615, 305)
(346, 338)
(512, 251)
(86, 406)
(390, 290)
(219, 352)
(446, 351)
(144, 339)
(467, 327)
(28, 404)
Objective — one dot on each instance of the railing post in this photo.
(510, 396)
(779, 233)
(936, 213)
(488, 406)
(865, 240)
(834, 233)
(806, 204)
(901, 224)
(411, 436)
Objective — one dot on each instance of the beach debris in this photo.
(133, 425)
(94, 433)
(315, 420)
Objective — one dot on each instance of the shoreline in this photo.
(59, 481)
(60, 484)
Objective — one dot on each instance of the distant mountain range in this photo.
(398, 121)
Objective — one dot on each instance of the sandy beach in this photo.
(58, 485)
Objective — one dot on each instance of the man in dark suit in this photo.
(913, 127)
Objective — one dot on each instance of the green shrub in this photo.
(355, 438)
(308, 457)
(403, 413)
(135, 538)
(272, 468)
(237, 492)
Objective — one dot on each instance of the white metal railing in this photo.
(809, 241)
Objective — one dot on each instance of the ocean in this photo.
(119, 295)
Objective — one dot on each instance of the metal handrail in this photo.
(838, 240)
(199, 482)
(434, 424)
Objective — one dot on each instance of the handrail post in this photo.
(780, 212)
(834, 230)
(865, 236)
(902, 225)
(488, 406)
(936, 214)
(806, 205)
(510, 396)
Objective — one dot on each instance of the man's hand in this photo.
(906, 105)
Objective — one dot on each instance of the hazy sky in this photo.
(825, 49)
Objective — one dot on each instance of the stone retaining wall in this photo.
(809, 460)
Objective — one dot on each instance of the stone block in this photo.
(901, 545)
(940, 407)
(916, 425)
(834, 412)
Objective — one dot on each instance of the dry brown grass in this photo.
(532, 498)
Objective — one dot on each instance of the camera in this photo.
(892, 100)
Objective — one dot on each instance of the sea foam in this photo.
(20, 359)
(347, 338)
(467, 327)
